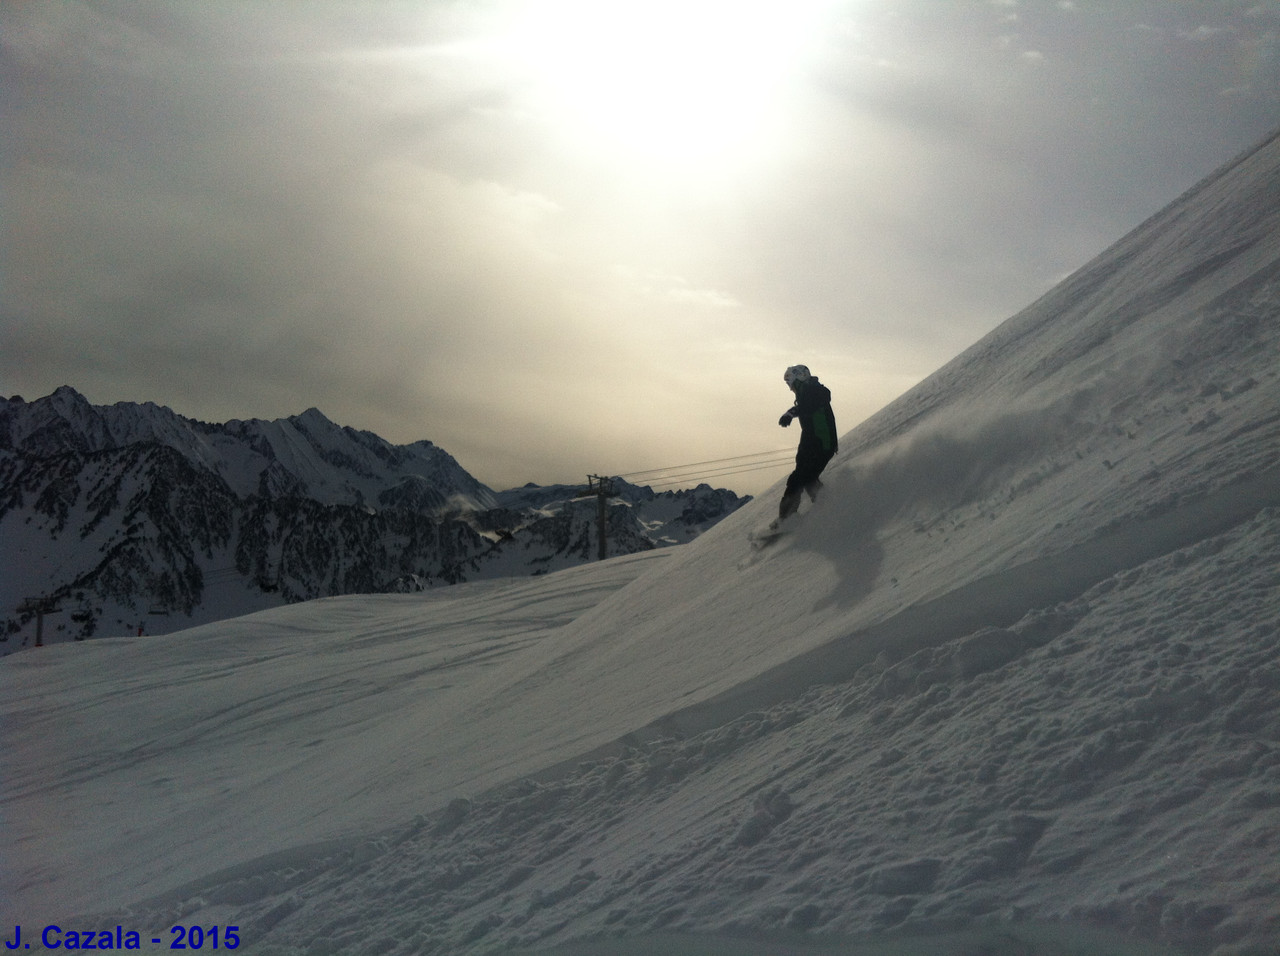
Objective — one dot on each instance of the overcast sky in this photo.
(561, 237)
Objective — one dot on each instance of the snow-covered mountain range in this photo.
(131, 515)
(1011, 686)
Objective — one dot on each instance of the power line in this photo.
(724, 470)
(657, 473)
(698, 464)
(784, 463)
(696, 472)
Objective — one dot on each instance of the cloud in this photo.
(249, 209)
(1204, 33)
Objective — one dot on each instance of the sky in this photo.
(571, 237)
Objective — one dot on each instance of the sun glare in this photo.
(671, 82)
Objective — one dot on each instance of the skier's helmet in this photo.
(796, 375)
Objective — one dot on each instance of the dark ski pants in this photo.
(809, 465)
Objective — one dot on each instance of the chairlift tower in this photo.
(39, 607)
(602, 488)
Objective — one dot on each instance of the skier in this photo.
(817, 437)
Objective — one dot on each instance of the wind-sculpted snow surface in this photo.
(1112, 761)
(1018, 666)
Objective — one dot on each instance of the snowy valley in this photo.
(1010, 686)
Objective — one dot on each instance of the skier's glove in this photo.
(785, 420)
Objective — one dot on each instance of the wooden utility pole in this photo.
(602, 488)
(39, 607)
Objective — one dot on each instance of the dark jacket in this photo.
(817, 421)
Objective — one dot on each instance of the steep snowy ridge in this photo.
(328, 463)
(1015, 677)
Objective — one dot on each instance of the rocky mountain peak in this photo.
(132, 508)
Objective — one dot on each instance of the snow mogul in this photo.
(817, 437)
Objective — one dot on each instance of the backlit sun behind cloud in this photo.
(679, 86)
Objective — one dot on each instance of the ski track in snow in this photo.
(1019, 667)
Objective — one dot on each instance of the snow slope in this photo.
(1020, 665)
